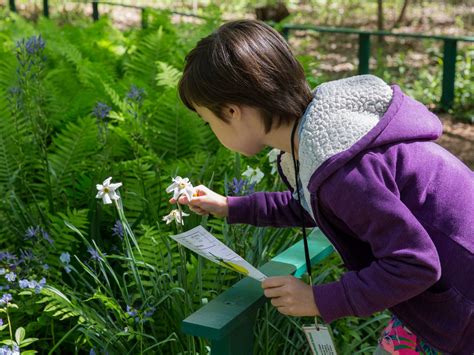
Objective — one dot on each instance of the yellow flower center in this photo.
(106, 190)
(182, 185)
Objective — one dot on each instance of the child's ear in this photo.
(232, 112)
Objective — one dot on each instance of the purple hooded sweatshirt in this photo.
(399, 209)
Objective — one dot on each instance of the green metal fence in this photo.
(449, 51)
(449, 47)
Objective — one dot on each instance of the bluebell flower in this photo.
(45, 266)
(3, 271)
(34, 45)
(91, 352)
(239, 187)
(65, 258)
(31, 232)
(24, 283)
(1, 322)
(7, 256)
(39, 285)
(135, 94)
(46, 236)
(67, 269)
(131, 311)
(149, 312)
(117, 229)
(101, 110)
(27, 255)
(6, 298)
(94, 254)
(11, 276)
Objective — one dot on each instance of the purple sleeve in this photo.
(406, 262)
(276, 209)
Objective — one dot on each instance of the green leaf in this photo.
(27, 342)
(20, 335)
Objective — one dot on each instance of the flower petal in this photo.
(171, 187)
(106, 199)
(115, 186)
(107, 181)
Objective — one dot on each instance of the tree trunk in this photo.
(402, 14)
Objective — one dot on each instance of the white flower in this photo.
(272, 159)
(175, 216)
(107, 191)
(181, 186)
(253, 175)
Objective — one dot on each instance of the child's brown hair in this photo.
(246, 62)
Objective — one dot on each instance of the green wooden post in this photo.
(286, 33)
(364, 53)
(449, 73)
(95, 10)
(12, 6)
(228, 320)
(45, 8)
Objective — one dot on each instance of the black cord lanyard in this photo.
(296, 164)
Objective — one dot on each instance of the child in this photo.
(396, 206)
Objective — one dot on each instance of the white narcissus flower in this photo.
(107, 192)
(253, 175)
(272, 158)
(175, 216)
(181, 186)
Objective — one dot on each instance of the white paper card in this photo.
(320, 340)
(205, 244)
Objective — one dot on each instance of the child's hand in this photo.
(290, 296)
(206, 201)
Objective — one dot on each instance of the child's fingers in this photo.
(276, 281)
(273, 292)
(198, 210)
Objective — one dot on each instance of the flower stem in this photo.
(9, 324)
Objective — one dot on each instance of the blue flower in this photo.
(149, 312)
(131, 311)
(45, 266)
(67, 269)
(39, 285)
(7, 256)
(65, 258)
(46, 236)
(91, 352)
(117, 229)
(27, 255)
(101, 110)
(35, 45)
(31, 232)
(6, 298)
(24, 283)
(135, 94)
(94, 254)
(240, 187)
(3, 271)
(1, 322)
(11, 276)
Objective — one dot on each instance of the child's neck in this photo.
(280, 138)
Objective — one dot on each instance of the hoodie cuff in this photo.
(240, 209)
(332, 301)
